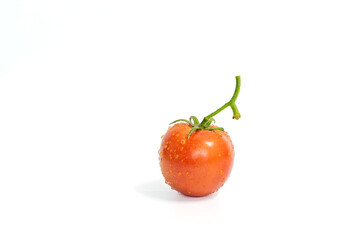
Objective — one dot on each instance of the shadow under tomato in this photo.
(161, 191)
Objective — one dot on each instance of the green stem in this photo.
(230, 103)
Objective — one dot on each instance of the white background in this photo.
(88, 87)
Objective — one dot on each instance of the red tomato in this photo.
(198, 165)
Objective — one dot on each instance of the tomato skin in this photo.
(195, 166)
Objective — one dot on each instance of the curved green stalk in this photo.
(231, 103)
(206, 122)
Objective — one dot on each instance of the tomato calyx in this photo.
(206, 122)
(196, 125)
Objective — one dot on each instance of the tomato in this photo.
(196, 158)
(197, 165)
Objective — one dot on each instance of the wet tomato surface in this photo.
(197, 165)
